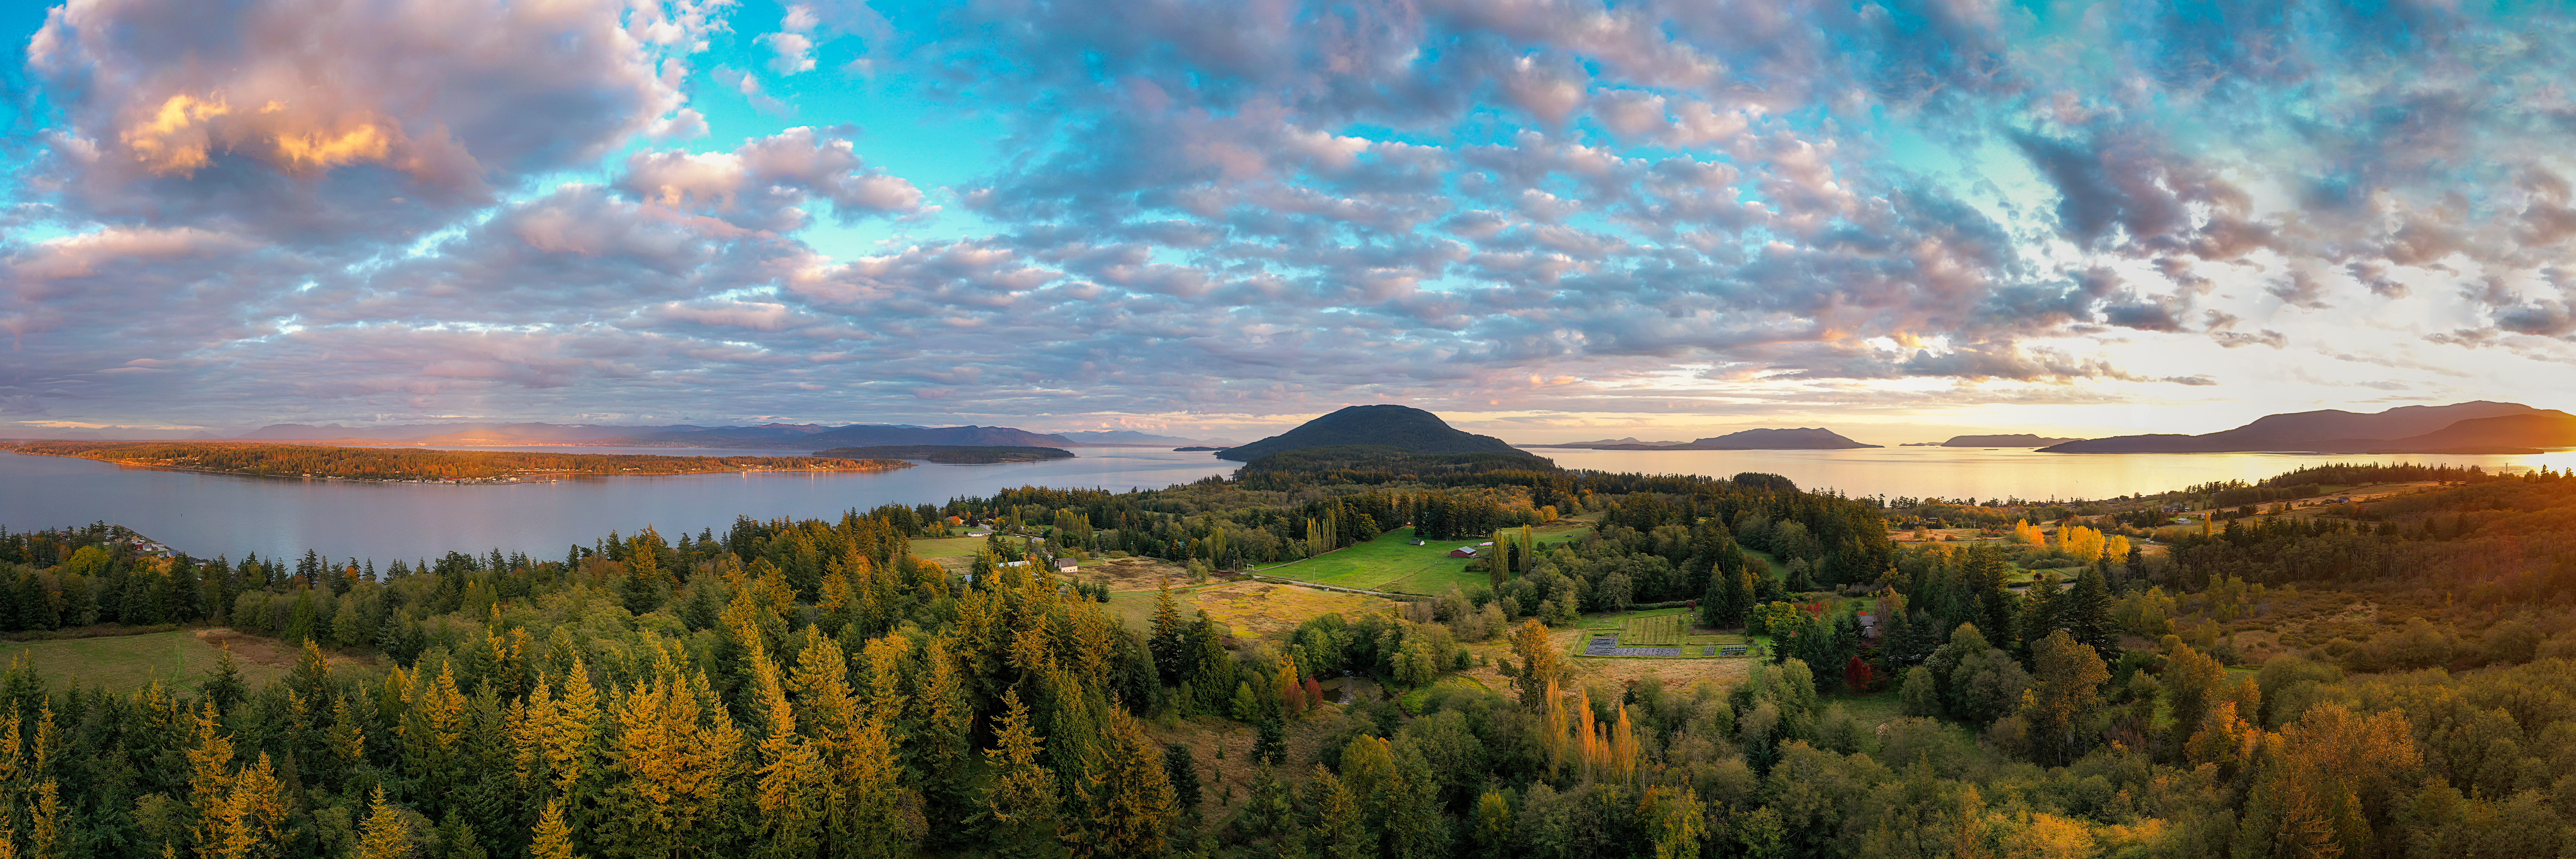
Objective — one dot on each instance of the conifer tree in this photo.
(210, 764)
(1165, 639)
(1022, 800)
(672, 760)
(1181, 769)
(552, 838)
(47, 835)
(875, 825)
(793, 780)
(1338, 832)
(2085, 612)
(385, 834)
(1410, 798)
(1128, 793)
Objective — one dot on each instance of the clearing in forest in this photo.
(179, 659)
(1389, 563)
(1251, 609)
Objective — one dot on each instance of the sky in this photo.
(1546, 220)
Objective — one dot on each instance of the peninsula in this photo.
(256, 459)
(949, 454)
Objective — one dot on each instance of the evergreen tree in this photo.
(1167, 640)
(223, 686)
(793, 781)
(1182, 770)
(1338, 832)
(1410, 799)
(1022, 799)
(2085, 612)
(552, 838)
(385, 834)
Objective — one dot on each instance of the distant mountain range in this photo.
(1140, 439)
(2472, 427)
(1403, 428)
(1799, 438)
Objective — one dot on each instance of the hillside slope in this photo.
(1402, 428)
(2332, 430)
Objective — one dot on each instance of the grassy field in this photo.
(1869, 710)
(947, 547)
(178, 659)
(1250, 609)
(1388, 563)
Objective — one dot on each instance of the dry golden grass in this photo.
(1133, 574)
(1677, 672)
(1265, 609)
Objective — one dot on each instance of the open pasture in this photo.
(1388, 563)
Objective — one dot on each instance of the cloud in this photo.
(381, 207)
(304, 117)
(763, 183)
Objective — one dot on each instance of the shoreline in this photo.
(529, 479)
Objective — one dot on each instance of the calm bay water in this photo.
(207, 514)
(1958, 472)
(214, 514)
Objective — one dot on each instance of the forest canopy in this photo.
(2401, 687)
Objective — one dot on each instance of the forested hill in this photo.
(368, 463)
(1403, 428)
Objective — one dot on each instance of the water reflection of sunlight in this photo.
(1958, 472)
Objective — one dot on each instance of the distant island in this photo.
(1796, 438)
(774, 435)
(1195, 449)
(949, 454)
(2014, 440)
(2480, 427)
(256, 459)
(1401, 428)
(1132, 438)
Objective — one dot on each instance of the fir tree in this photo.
(552, 839)
(1022, 800)
(385, 834)
(2085, 612)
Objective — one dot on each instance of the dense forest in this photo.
(371, 463)
(807, 689)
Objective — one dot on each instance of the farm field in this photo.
(1388, 563)
(937, 548)
(179, 659)
(1667, 627)
(1250, 609)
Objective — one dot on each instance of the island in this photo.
(1403, 428)
(1796, 438)
(2013, 440)
(2477, 426)
(412, 465)
(1196, 449)
(949, 454)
